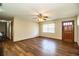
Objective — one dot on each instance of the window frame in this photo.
(46, 31)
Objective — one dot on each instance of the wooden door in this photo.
(68, 31)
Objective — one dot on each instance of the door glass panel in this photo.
(64, 24)
(67, 23)
(70, 23)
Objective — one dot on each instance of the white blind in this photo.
(49, 28)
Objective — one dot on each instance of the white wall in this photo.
(57, 33)
(24, 29)
(58, 28)
(78, 29)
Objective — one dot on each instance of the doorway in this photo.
(3, 30)
(6, 30)
(68, 31)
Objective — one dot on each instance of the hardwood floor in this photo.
(40, 47)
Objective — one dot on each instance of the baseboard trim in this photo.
(25, 39)
(49, 38)
(45, 37)
(38, 37)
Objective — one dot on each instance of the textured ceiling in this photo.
(27, 11)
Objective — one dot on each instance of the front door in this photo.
(68, 31)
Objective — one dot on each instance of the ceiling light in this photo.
(40, 20)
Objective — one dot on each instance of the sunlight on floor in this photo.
(48, 46)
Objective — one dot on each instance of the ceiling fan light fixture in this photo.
(40, 20)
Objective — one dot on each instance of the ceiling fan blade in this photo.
(45, 16)
(44, 19)
(34, 18)
(39, 15)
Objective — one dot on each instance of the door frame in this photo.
(73, 29)
(12, 31)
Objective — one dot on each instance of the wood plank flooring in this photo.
(40, 47)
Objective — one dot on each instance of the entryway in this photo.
(68, 31)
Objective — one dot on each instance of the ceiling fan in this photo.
(40, 17)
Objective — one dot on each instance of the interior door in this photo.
(68, 31)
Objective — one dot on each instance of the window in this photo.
(50, 28)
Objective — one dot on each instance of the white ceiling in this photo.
(27, 11)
